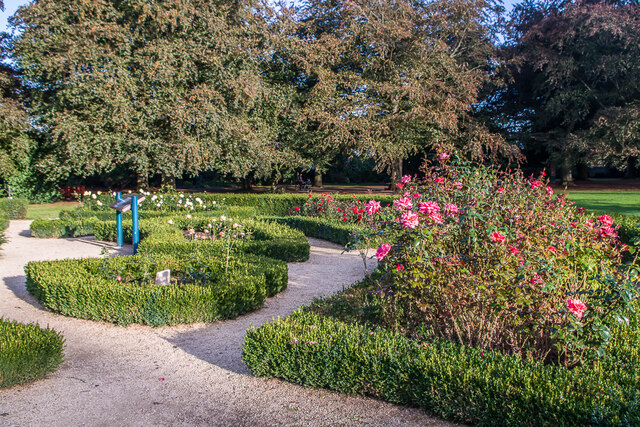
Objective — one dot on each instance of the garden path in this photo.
(184, 375)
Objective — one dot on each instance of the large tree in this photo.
(167, 87)
(574, 83)
(389, 79)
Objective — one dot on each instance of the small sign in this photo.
(163, 277)
(124, 205)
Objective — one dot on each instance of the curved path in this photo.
(184, 375)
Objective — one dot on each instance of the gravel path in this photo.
(184, 375)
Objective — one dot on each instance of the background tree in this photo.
(574, 79)
(389, 79)
(159, 87)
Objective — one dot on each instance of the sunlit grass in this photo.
(49, 210)
(621, 202)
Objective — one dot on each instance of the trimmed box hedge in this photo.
(27, 352)
(15, 208)
(90, 289)
(452, 381)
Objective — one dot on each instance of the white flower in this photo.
(170, 221)
(236, 225)
(93, 196)
(99, 203)
(213, 203)
(204, 207)
(87, 193)
(223, 218)
(188, 216)
(153, 198)
(182, 196)
(99, 192)
(158, 204)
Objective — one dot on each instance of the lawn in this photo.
(48, 210)
(621, 202)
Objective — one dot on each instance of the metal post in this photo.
(135, 231)
(119, 221)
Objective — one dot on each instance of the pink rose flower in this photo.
(403, 203)
(457, 184)
(607, 232)
(409, 219)
(440, 180)
(406, 179)
(118, 278)
(576, 307)
(451, 210)
(400, 185)
(500, 190)
(536, 184)
(514, 250)
(436, 218)
(497, 237)
(551, 248)
(400, 267)
(444, 156)
(606, 220)
(372, 207)
(549, 191)
(428, 207)
(416, 195)
(382, 251)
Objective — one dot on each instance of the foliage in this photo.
(573, 77)
(455, 382)
(155, 87)
(15, 208)
(122, 289)
(495, 261)
(27, 352)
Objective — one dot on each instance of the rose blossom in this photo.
(400, 267)
(457, 184)
(406, 179)
(536, 184)
(428, 207)
(444, 156)
(440, 180)
(435, 217)
(382, 251)
(549, 191)
(497, 237)
(409, 220)
(576, 307)
(606, 220)
(514, 250)
(500, 190)
(451, 210)
(372, 207)
(403, 203)
(607, 232)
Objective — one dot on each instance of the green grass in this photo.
(623, 202)
(48, 210)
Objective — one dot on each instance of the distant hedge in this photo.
(446, 379)
(27, 352)
(207, 291)
(15, 208)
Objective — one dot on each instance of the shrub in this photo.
(267, 239)
(494, 260)
(27, 352)
(56, 228)
(16, 208)
(322, 228)
(456, 382)
(122, 290)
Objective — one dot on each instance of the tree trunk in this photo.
(142, 181)
(317, 178)
(583, 171)
(631, 170)
(553, 170)
(247, 183)
(168, 181)
(396, 174)
(567, 175)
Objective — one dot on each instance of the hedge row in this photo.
(454, 382)
(56, 228)
(266, 204)
(207, 290)
(27, 352)
(268, 240)
(15, 208)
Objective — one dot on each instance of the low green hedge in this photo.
(268, 239)
(16, 208)
(56, 228)
(90, 289)
(27, 352)
(452, 381)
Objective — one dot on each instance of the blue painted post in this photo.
(136, 232)
(119, 221)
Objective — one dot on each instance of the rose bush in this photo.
(494, 260)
